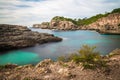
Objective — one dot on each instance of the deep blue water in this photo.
(72, 41)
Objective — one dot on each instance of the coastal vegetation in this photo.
(85, 21)
(87, 55)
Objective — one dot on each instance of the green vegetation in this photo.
(85, 21)
(2, 67)
(61, 18)
(90, 20)
(87, 56)
(46, 23)
(114, 53)
(116, 10)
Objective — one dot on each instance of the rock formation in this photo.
(15, 36)
(63, 25)
(109, 24)
(43, 25)
(57, 25)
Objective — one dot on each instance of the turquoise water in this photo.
(19, 57)
(72, 41)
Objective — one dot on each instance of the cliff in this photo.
(16, 36)
(50, 70)
(103, 23)
(62, 25)
(108, 24)
(58, 25)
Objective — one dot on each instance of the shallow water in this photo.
(72, 41)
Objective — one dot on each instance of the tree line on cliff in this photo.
(85, 21)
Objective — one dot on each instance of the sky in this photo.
(29, 12)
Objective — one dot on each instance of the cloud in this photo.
(28, 12)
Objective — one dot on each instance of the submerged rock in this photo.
(16, 36)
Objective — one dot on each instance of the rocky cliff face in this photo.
(15, 36)
(62, 25)
(111, 22)
(108, 24)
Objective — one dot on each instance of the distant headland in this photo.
(108, 23)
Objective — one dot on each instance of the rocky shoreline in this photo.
(50, 70)
(109, 32)
(16, 36)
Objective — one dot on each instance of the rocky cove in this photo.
(71, 42)
(13, 37)
(48, 69)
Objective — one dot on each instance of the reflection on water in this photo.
(72, 41)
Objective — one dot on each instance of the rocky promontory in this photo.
(16, 36)
(57, 24)
(51, 70)
(108, 23)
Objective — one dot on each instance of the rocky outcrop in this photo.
(43, 25)
(57, 25)
(63, 25)
(50, 70)
(106, 25)
(15, 37)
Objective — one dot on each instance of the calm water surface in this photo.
(72, 41)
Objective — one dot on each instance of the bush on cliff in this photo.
(87, 56)
(61, 18)
(117, 10)
(85, 21)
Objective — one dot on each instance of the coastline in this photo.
(49, 70)
(109, 32)
(17, 36)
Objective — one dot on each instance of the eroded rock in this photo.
(15, 37)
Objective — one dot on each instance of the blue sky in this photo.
(28, 12)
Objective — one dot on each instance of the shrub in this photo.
(2, 66)
(61, 58)
(87, 56)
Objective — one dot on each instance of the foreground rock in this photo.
(15, 37)
(49, 70)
